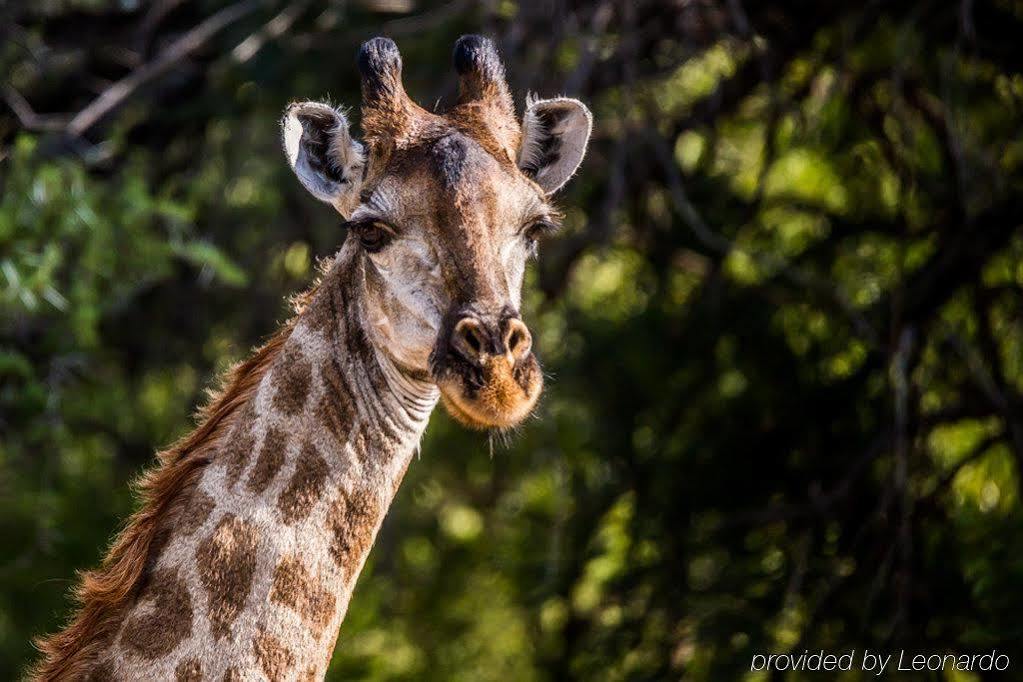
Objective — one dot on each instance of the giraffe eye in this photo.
(539, 229)
(372, 234)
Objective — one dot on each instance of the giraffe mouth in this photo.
(492, 394)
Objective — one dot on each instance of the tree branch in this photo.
(116, 94)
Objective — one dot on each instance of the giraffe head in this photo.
(445, 210)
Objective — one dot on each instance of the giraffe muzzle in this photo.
(486, 370)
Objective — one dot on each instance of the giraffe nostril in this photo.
(517, 339)
(473, 340)
(468, 339)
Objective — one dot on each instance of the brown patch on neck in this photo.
(238, 445)
(227, 565)
(104, 594)
(295, 588)
(200, 506)
(352, 520)
(189, 670)
(275, 659)
(305, 487)
(271, 459)
(293, 376)
(158, 632)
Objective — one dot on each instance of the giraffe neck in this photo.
(264, 552)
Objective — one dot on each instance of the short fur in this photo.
(104, 594)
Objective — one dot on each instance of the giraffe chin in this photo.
(497, 395)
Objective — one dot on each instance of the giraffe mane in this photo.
(102, 595)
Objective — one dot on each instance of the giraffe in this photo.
(252, 530)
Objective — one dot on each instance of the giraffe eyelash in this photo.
(539, 228)
(372, 233)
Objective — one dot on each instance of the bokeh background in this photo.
(783, 326)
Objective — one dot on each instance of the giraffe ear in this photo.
(554, 137)
(328, 162)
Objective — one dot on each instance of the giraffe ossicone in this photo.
(253, 529)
